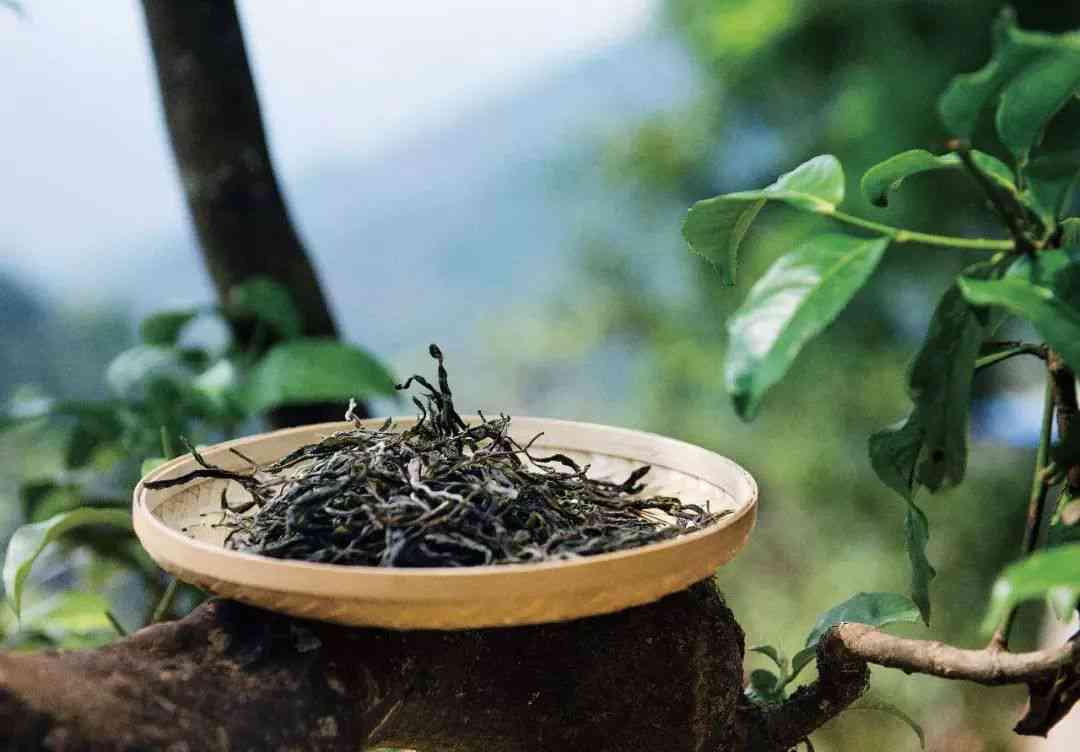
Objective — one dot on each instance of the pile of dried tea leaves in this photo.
(441, 493)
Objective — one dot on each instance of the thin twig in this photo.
(1008, 213)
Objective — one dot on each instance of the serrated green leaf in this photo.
(313, 370)
(714, 228)
(796, 299)
(1052, 573)
(164, 328)
(267, 301)
(1056, 321)
(1014, 49)
(872, 702)
(887, 176)
(30, 540)
(1034, 96)
(875, 609)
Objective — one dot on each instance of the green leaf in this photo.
(801, 660)
(30, 540)
(314, 370)
(916, 538)
(895, 452)
(133, 373)
(220, 386)
(939, 383)
(887, 176)
(92, 430)
(1070, 232)
(714, 228)
(1056, 321)
(164, 328)
(765, 687)
(1051, 182)
(872, 702)
(875, 609)
(67, 613)
(794, 301)
(1014, 49)
(1053, 573)
(775, 654)
(1034, 96)
(265, 300)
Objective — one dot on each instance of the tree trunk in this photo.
(665, 676)
(216, 131)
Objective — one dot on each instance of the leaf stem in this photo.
(899, 235)
(164, 605)
(989, 360)
(116, 624)
(1040, 485)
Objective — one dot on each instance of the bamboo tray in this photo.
(177, 526)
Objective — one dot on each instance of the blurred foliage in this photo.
(783, 80)
(181, 384)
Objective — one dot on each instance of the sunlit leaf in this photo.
(714, 228)
(875, 609)
(1053, 573)
(30, 540)
(164, 328)
(1056, 321)
(872, 702)
(314, 370)
(794, 301)
(71, 612)
(887, 176)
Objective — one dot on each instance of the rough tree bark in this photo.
(216, 130)
(665, 676)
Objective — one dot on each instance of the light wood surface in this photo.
(179, 527)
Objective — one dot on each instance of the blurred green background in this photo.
(536, 236)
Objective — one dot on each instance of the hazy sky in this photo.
(85, 162)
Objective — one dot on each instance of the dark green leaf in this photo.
(875, 609)
(916, 538)
(894, 454)
(164, 328)
(765, 687)
(871, 702)
(92, 430)
(1070, 232)
(1053, 573)
(265, 300)
(714, 228)
(1056, 321)
(969, 94)
(887, 176)
(1051, 182)
(30, 540)
(314, 370)
(1035, 95)
(795, 300)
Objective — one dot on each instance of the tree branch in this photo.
(987, 667)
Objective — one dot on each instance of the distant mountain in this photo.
(430, 238)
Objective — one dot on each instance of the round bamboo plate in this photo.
(177, 526)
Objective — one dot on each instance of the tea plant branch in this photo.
(899, 235)
(1007, 208)
(1040, 486)
(987, 666)
(1063, 379)
(1008, 352)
